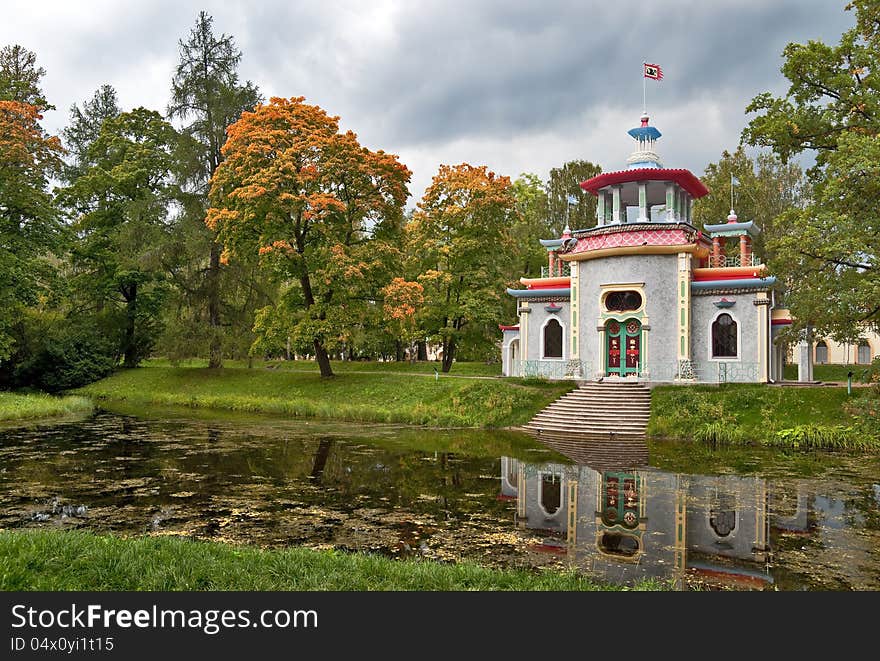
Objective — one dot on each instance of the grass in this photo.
(355, 396)
(344, 366)
(797, 418)
(830, 373)
(14, 406)
(73, 560)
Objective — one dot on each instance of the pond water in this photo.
(740, 519)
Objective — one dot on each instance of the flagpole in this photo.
(644, 90)
(731, 191)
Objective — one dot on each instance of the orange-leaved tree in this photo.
(29, 223)
(460, 237)
(314, 204)
(402, 299)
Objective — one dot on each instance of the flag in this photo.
(653, 71)
(572, 199)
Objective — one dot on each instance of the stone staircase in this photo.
(608, 409)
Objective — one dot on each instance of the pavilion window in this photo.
(551, 493)
(821, 352)
(724, 344)
(553, 339)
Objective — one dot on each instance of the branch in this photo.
(838, 262)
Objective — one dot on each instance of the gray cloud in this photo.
(521, 86)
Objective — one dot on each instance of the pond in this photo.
(739, 519)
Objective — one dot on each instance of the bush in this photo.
(54, 354)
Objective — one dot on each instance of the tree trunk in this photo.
(322, 358)
(215, 357)
(422, 350)
(398, 351)
(130, 353)
(321, 457)
(448, 354)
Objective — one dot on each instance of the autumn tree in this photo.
(459, 233)
(207, 96)
(120, 205)
(831, 110)
(29, 223)
(401, 300)
(315, 205)
(568, 203)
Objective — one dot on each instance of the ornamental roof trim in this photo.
(684, 178)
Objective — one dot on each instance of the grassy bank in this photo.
(53, 560)
(357, 396)
(803, 418)
(343, 366)
(14, 406)
(830, 373)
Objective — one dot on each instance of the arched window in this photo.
(551, 493)
(553, 339)
(724, 337)
(821, 352)
(864, 356)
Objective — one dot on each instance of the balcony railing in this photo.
(722, 261)
(551, 369)
(735, 372)
(558, 272)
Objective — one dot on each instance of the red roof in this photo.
(508, 328)
(684, 178)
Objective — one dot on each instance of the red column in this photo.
(716, 251)
(552, 257)
(744, 252)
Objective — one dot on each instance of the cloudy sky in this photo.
(521, 86)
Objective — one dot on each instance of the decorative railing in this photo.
(557, 272)
(551, 369)
(681, 370)
(721, 261)
(735, 372)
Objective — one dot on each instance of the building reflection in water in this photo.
(615, 517)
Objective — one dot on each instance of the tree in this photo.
(316, 206)
(29, 224)
(531, 224)
(85, 127)
(459, 234)
(569, 204)
(121, 202)
(20, 77)
(401, 301)
(832, 108)
(207, 94)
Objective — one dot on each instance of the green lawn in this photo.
(357, 396)
(829, 373)
(14, 406)
(806, 417)
(73, 560)
(342, 366)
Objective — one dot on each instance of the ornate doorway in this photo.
(623, 347)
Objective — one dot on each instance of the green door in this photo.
(623, 347)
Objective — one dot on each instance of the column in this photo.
(524, 331)
(601, 367)
(684, 308)
(574, 352)
(716, 252)
(805, 356)
(643, 202)
(600, 208)
(551, 258)
(615, 207)
(670, 201)
(762, 301)
(745, 258)
(571, 528)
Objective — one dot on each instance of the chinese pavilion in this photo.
(645, 294)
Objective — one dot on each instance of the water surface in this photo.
(681, 513)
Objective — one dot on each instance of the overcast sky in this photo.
(519, 86)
